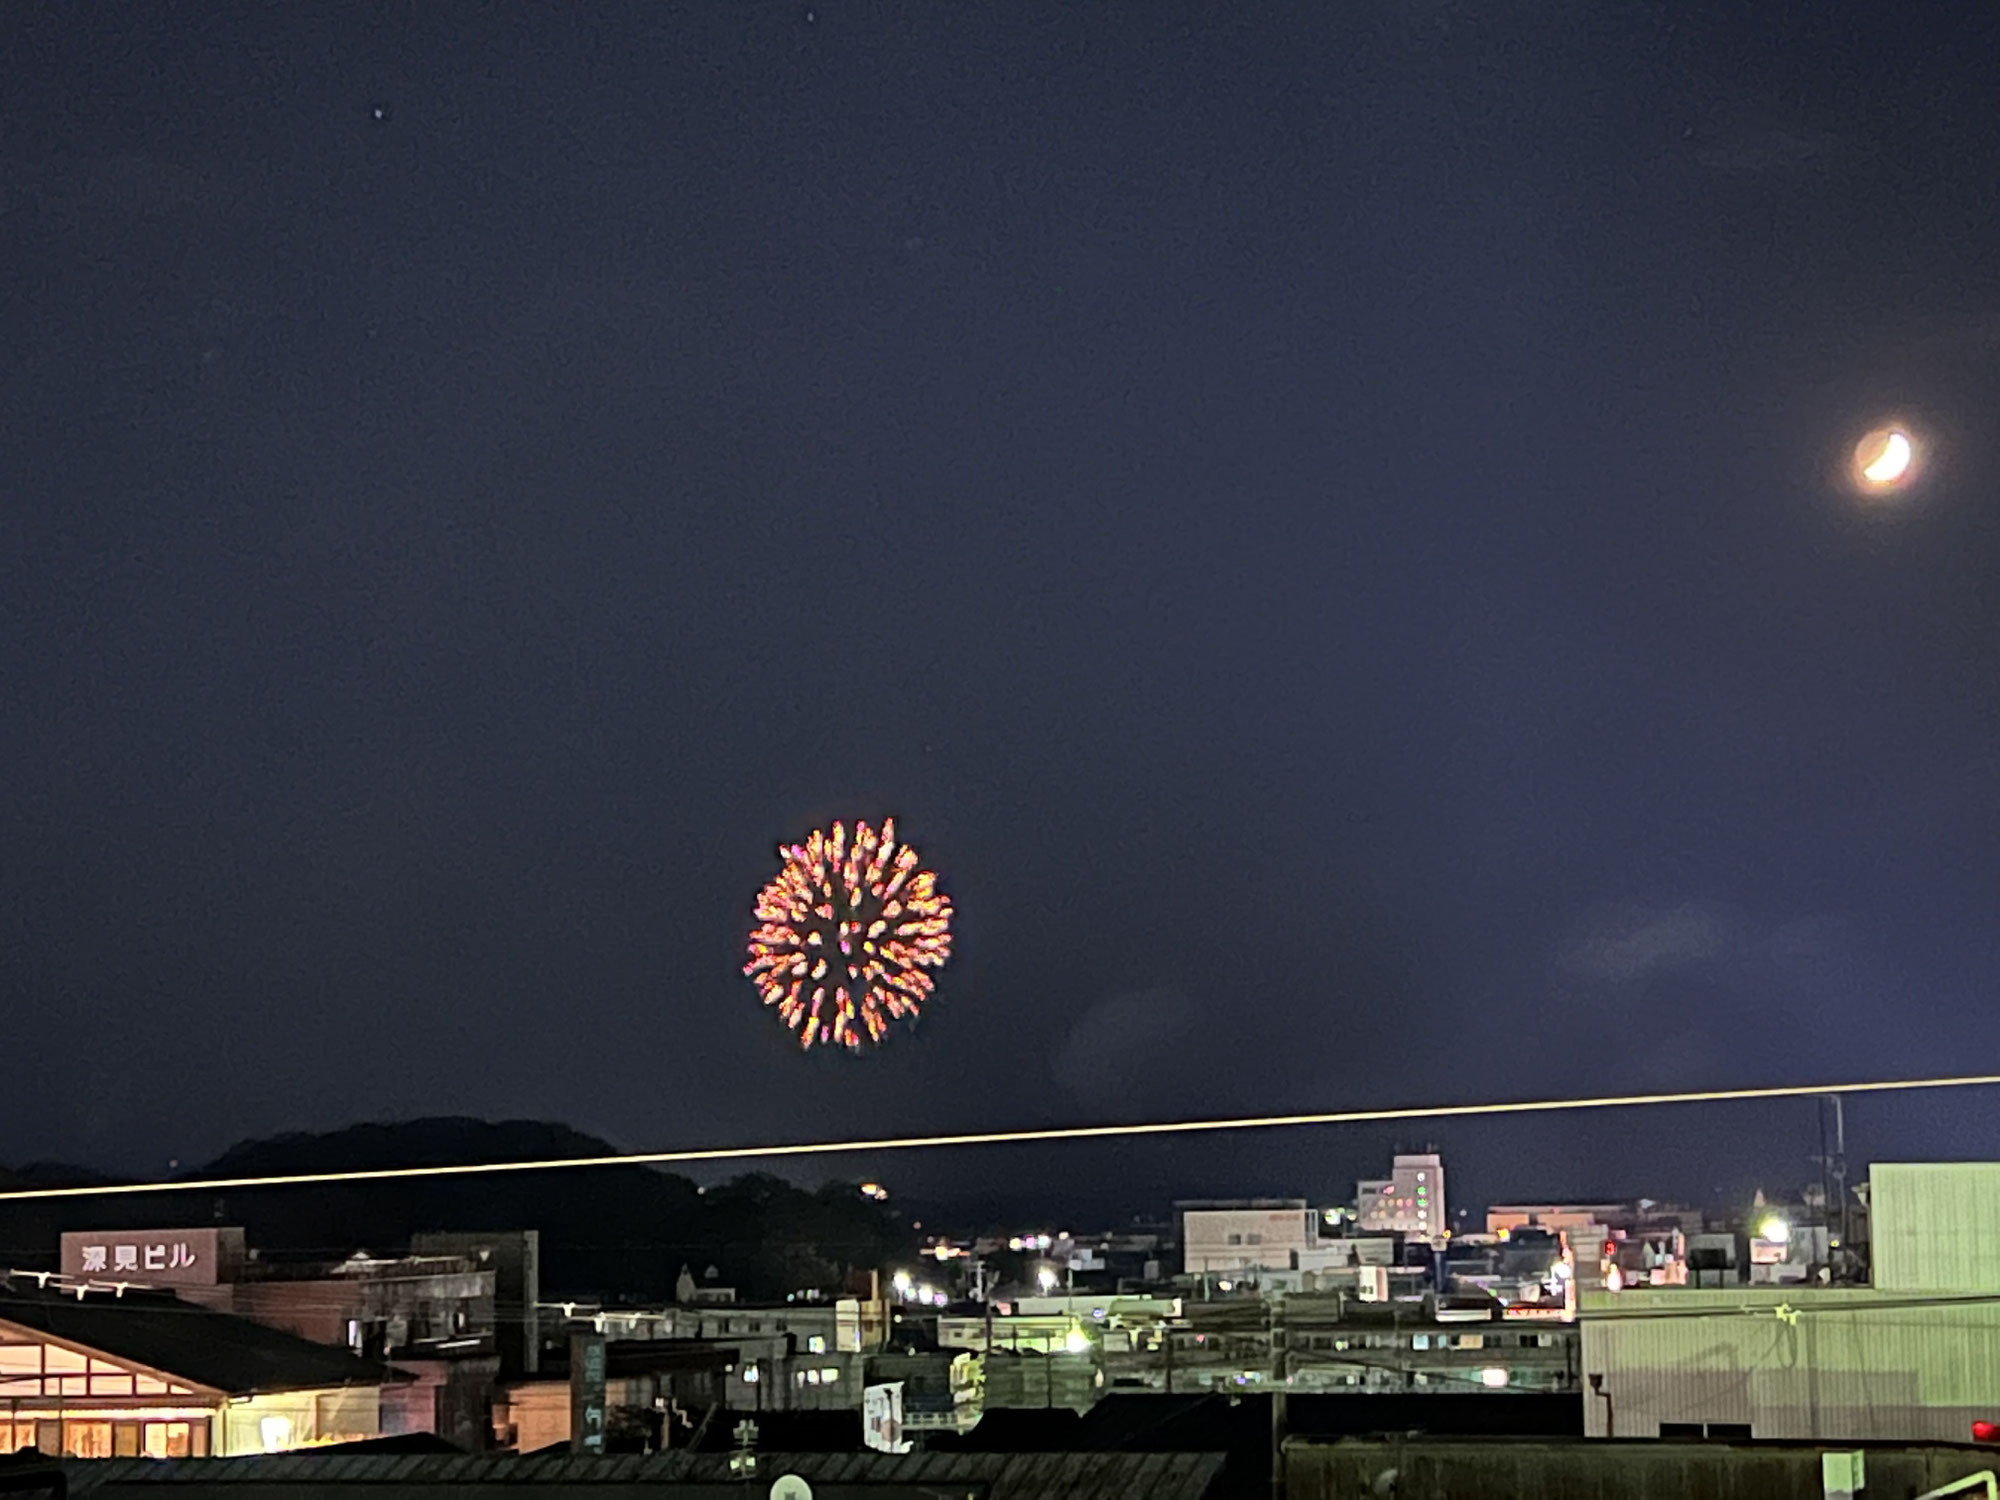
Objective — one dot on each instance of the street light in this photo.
(1045, 1277)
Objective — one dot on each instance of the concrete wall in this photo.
(1522, 1469)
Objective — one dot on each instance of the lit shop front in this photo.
(61, 1400)
(100, 1375)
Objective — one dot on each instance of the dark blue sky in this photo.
(1323, 522)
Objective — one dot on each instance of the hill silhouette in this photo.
(620, 1233)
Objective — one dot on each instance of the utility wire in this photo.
(1006, 1137)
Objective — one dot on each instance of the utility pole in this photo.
(1838, 1171)
(1833, 1187)
(1281, 1372)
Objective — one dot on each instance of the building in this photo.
(441, 1299)
(1839, 1364)
(1641, 1243)
(1029, 1381)
(1915, 1357)
(103, 1375)
(1935, 1226)
(1303, 1341)
(434, 1314)
(942, 1391)
(841, 1325)
(1409, 1201)
(1478, 1468)
(648, 1385)
(514, 1256)
(1221, 1237)
(1640, 1213)
(1335, 1344)
(777, 1357)
(1051, 1325)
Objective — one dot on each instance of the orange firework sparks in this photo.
(845, 932)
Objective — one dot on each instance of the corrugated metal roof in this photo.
(1008, 1476)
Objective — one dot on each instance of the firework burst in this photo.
(846, 931)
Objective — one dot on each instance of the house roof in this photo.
(998, 1476)
(186, 1343)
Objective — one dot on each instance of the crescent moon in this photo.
(1885, 457)
(1892, 463)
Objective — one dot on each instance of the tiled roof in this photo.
(995, 1476)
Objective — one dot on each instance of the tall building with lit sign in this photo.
(1409, 1201)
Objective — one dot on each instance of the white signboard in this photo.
(153, 1257)
(882, 1417)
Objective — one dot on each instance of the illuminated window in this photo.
(816, 1344)
(170, 1440)
(109, 1380)
(830, 1374)
(275, 1433)
(86, 1440)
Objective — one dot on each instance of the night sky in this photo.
(1324, 522)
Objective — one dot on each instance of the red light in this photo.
(1986, 1432)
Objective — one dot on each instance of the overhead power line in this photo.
(1005, 1137)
